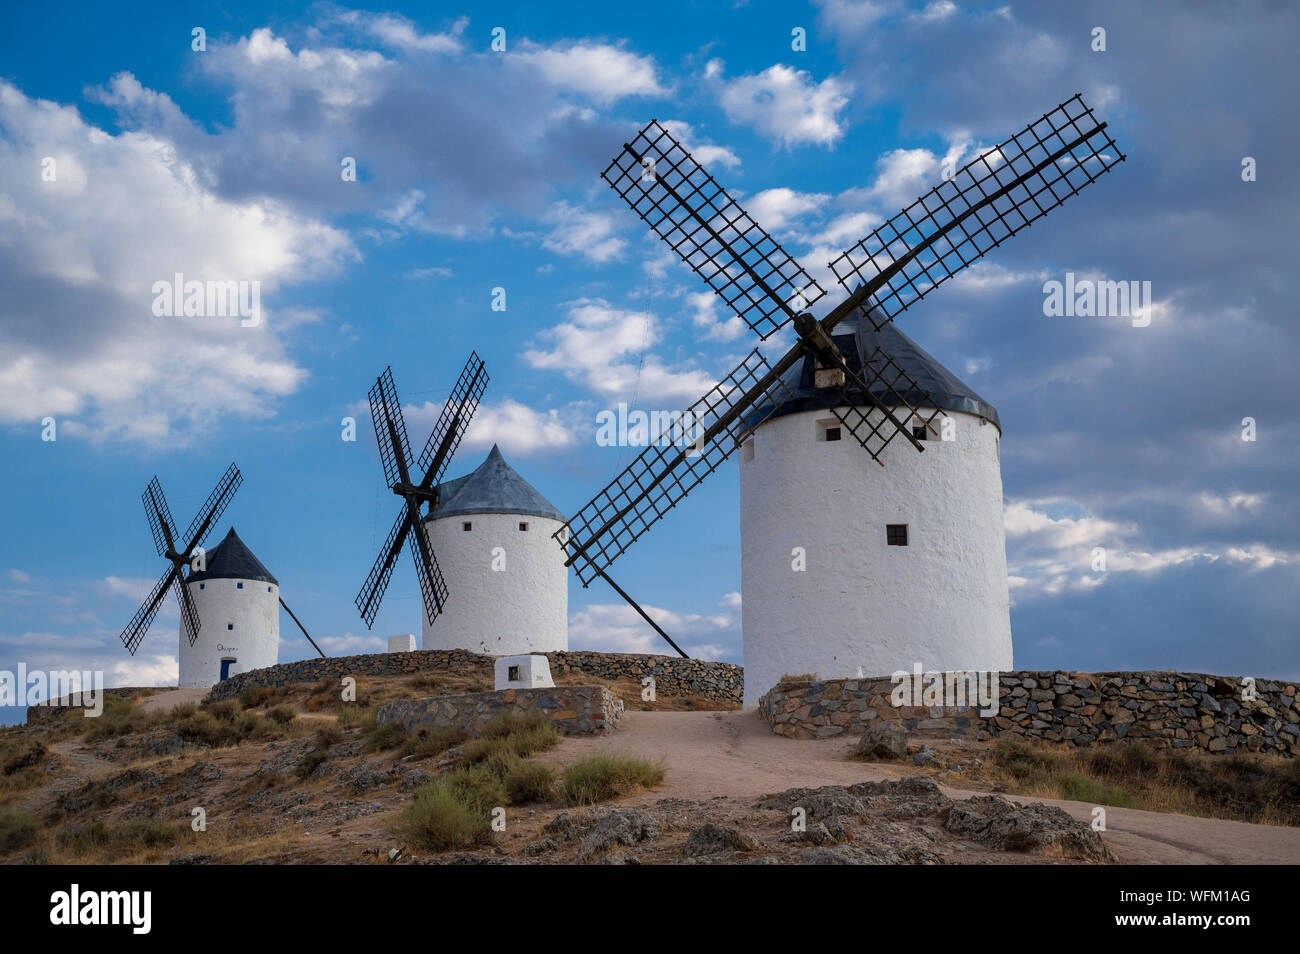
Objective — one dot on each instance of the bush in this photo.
(520, 733)
(331, 733)
(283, 714)
(17, 830)
(600, 777)
(120, 717)
(253, 695)
(454, 810)
(384, 737)
(428, 742)
(363, 717)
(1078, 787)
(29, 756)
(529, 782)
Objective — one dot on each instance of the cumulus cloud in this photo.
(83, 253)
(787, 105)
(579, 231)
(617, 628)
(599, 71)
(606, 350)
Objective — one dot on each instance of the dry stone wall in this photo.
(575, 710)
(1164, 709)
(720, 681)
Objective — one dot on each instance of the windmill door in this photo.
(225, 667)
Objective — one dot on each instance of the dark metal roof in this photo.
(858, 339)
(494, 487)
(232, 560)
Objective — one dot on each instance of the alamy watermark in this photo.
(179, 298)
(40, 687)
(623, 428)
(1085, 298)
(948, 689)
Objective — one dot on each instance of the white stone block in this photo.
(523, 672)
(401, 644)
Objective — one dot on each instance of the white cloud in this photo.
(82, 254)
(776, 209)
(787, 105)
(577, 231)
(601, 72)
(706, 153)
(397, 31)
(616, 627)
(704, 306)
(607, 351)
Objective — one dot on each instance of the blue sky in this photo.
(479, 169)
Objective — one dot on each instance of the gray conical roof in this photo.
(858, 339)
(232, 560)
(495, 487)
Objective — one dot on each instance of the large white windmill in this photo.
(846, 566)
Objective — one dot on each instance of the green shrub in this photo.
(523, 734)
(428, 742)
(387, 736)
(29, 756)
(529, 782)
(454, 810)
(17, 830)
(253, 695)
(331, 733)
(283, 714)
(362, 717)
(1080, 788)
(600, 777)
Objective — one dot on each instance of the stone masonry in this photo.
(1163, 709)
(575, 710)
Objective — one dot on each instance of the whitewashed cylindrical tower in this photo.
(238, 603)
(507, 585)
(848, 567)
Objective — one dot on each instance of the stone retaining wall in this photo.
(1164, 709)
(720, 681)
(575, 710)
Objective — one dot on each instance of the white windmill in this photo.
(491, 578)
(846, 566)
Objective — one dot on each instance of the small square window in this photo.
(512, 673)
(268, 589)
(523, 524)
(832, 433)
(200, 586)
(896, 534)
(239, 586)
(467, 525)
(230, 626)
(920, 432)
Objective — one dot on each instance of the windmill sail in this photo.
(987, 201)
(709, 231)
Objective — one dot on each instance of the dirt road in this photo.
(733, 753)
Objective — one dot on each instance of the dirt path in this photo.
(733, 753)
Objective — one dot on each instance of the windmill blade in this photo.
(709, 432)
(457, 411)
(709, 231)
(212, 508)
(433, 589)
(372, 591)
(985, 203)
(390, 428)
(160, 517)
(144, 616)
(189, 612)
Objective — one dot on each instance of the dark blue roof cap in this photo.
(858, 339)
(495, 487)
(232, 560)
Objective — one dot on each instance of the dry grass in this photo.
(602, 776)
(1251, 788)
